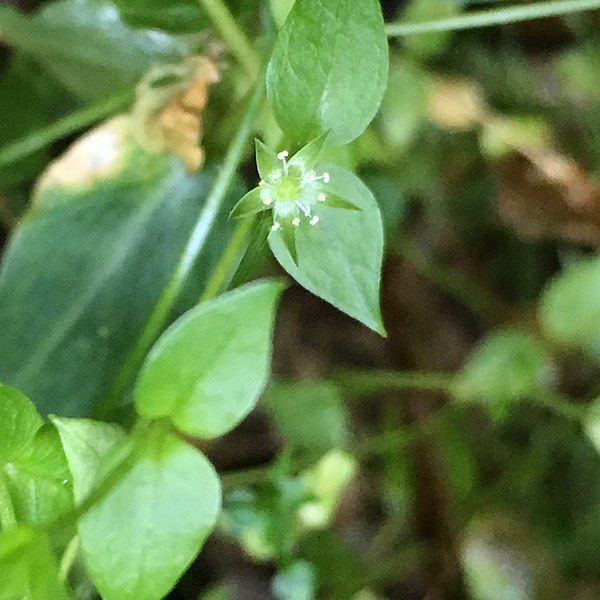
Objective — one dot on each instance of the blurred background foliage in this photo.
(456, 458)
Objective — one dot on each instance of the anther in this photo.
(296, 222)
(275, 226)
(321, 197)
(267, 201)
(283, 155)
(326, 178)
(314, 220)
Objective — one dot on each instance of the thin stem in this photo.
(233, 37)
(7, 510)
(71, 123)
(68, 558)
(190, 253)
(374, 381)
(228, 261)
(500, 16)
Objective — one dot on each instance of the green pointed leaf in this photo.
(328, 70)
(115, 227)
(207, 371)
(249, 205)
(141, 536)
(86, 445)
(39, 481)
(340, 258)
(266, 160)
(28, 569)
(19, 422)
(308, 157)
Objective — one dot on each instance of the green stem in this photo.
(191, 251)
(7, 510)
(500, 16)
(71, 123)
(374, 381)
(229, 259)
(233, 37)
(68, 558)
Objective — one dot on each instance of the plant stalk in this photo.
(233, 37)
(190, 253)
(488, 18)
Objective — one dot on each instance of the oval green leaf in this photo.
(328, 71)
(207, 371)
(142, 535)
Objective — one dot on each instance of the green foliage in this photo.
(328, 70)
(33, 467)
(28, 567)
(69, 325)
(310, 415)
(176, 16)
(85, 46)
(141, 535)
(39, 481)
(86, 445)
(19, 423)
(506, 367)
(208, 369)
(340, 258)
(569, 308)
(114, 300)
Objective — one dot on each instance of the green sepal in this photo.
(334, 201)
(288, 236)
(266, 160)
(249, 205)
(306, 158)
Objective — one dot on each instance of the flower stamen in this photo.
(314, 220)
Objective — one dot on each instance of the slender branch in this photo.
(70, 124)
(500, 16)
(191, 251)
(68, 558)
(373, 381)
(224, 270)
(233, 37)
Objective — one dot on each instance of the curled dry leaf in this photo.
(168, 112)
